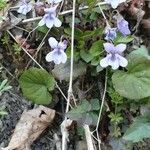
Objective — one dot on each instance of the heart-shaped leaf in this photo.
(135, 83)
(139, 129)
(36, 84)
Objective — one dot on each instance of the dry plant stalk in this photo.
(31, 124)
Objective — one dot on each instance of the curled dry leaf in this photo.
(31, 124)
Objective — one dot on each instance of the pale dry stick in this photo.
(21, 29)
(100, 112)
(28, 36)
(42, 42)
(64, 135)
(88, 136)
(103, 15)
(61, 6)
(62, 13)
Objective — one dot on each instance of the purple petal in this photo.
(20, 10)
(59, 57)
(63, 57)
(122, 61)
(42, 22)
(49, 56)
(110, 33)
(49, 23)
(123, 27)
(120, 48)
(114, 63)
(57, 22)
(104, 61)
(110, 48)
(54, 1)
(62, 45)
(53, 42)
(50, 10)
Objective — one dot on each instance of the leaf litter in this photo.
(31, 124)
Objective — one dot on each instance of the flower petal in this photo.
(49, 56)
(122, 61)
(114, 4)
(29, 8)
(110, 48)
(57, 22)
(57, 57)
(21, 10)
(123, 26)
(63, 57)
(120, 48)
(42, 22)
(114, 62)
(104, 61)
(62, 45)
(49, 23)
(52, 42)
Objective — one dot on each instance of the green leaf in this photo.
(95, 61)
(95, 104)
(78, 112)
(96, 48)
(139, 129)
(142, 51)
(87, 57)
(135, 83)
(36, 84)
(122, 39)
(99, 68)
(43, 29)
(78, 32)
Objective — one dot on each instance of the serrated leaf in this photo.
(135, 83)
(139, 129)
(62, 71)
(36, 84)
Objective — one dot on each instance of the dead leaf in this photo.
(31, 124)
(62, 71)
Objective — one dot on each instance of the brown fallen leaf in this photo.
(31, 124)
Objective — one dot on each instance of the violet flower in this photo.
(114, 3)
(54, 1)
(24, 7)
(57, 55)
(50, 18)
(122, 25)
(114, 56)
(110, 33)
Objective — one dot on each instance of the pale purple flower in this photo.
(24, 7)
(114, 3)
(54, 1)
(57, 55)
(123, 26)
(50, 18)
(39, 3)
(114, 56)
(110, 33)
